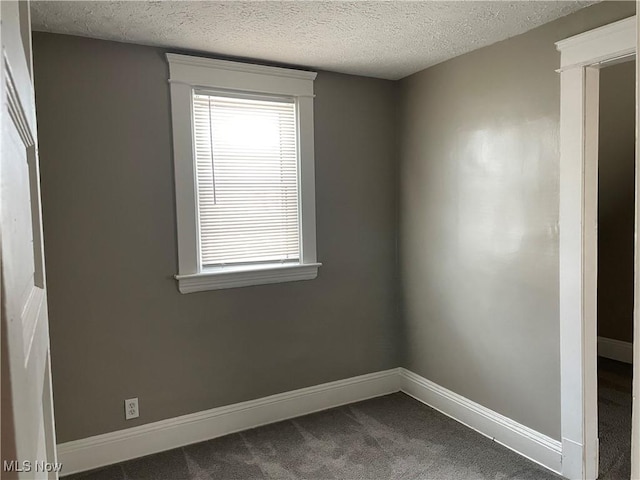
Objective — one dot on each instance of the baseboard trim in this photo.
(109, 448)
(523, 440)
(615, 349)
(100, 450)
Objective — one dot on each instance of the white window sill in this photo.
(244, 276)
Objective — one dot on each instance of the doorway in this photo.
(616, 215)
(582, 58)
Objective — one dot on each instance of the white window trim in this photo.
(187, 73)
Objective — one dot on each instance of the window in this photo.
(244, 173)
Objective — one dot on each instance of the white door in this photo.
(28, 435)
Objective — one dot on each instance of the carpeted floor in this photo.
(391, 437)
(614, 419)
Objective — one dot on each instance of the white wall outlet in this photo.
(131, 409)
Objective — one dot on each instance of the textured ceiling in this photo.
(387, 39)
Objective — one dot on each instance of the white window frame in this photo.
(188, 73)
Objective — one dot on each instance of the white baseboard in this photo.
(114, 447)
(523, 440)
(615, 349)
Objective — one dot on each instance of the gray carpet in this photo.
(614, 419)
(391, 437)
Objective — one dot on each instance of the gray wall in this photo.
(119, 327)
(616, 204)
(479, 221)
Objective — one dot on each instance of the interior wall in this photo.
(479, 195)
(616, 215)
(119, 326)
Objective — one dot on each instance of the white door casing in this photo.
(581, 58)
(25, 330)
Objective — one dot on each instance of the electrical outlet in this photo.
(131, 409)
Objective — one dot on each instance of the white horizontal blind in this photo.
(247, 180)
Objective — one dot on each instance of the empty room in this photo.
(319, 240)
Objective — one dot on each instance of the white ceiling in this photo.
(385, 39)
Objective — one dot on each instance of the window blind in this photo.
(247, 179)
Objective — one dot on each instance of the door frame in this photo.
(581, 56)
